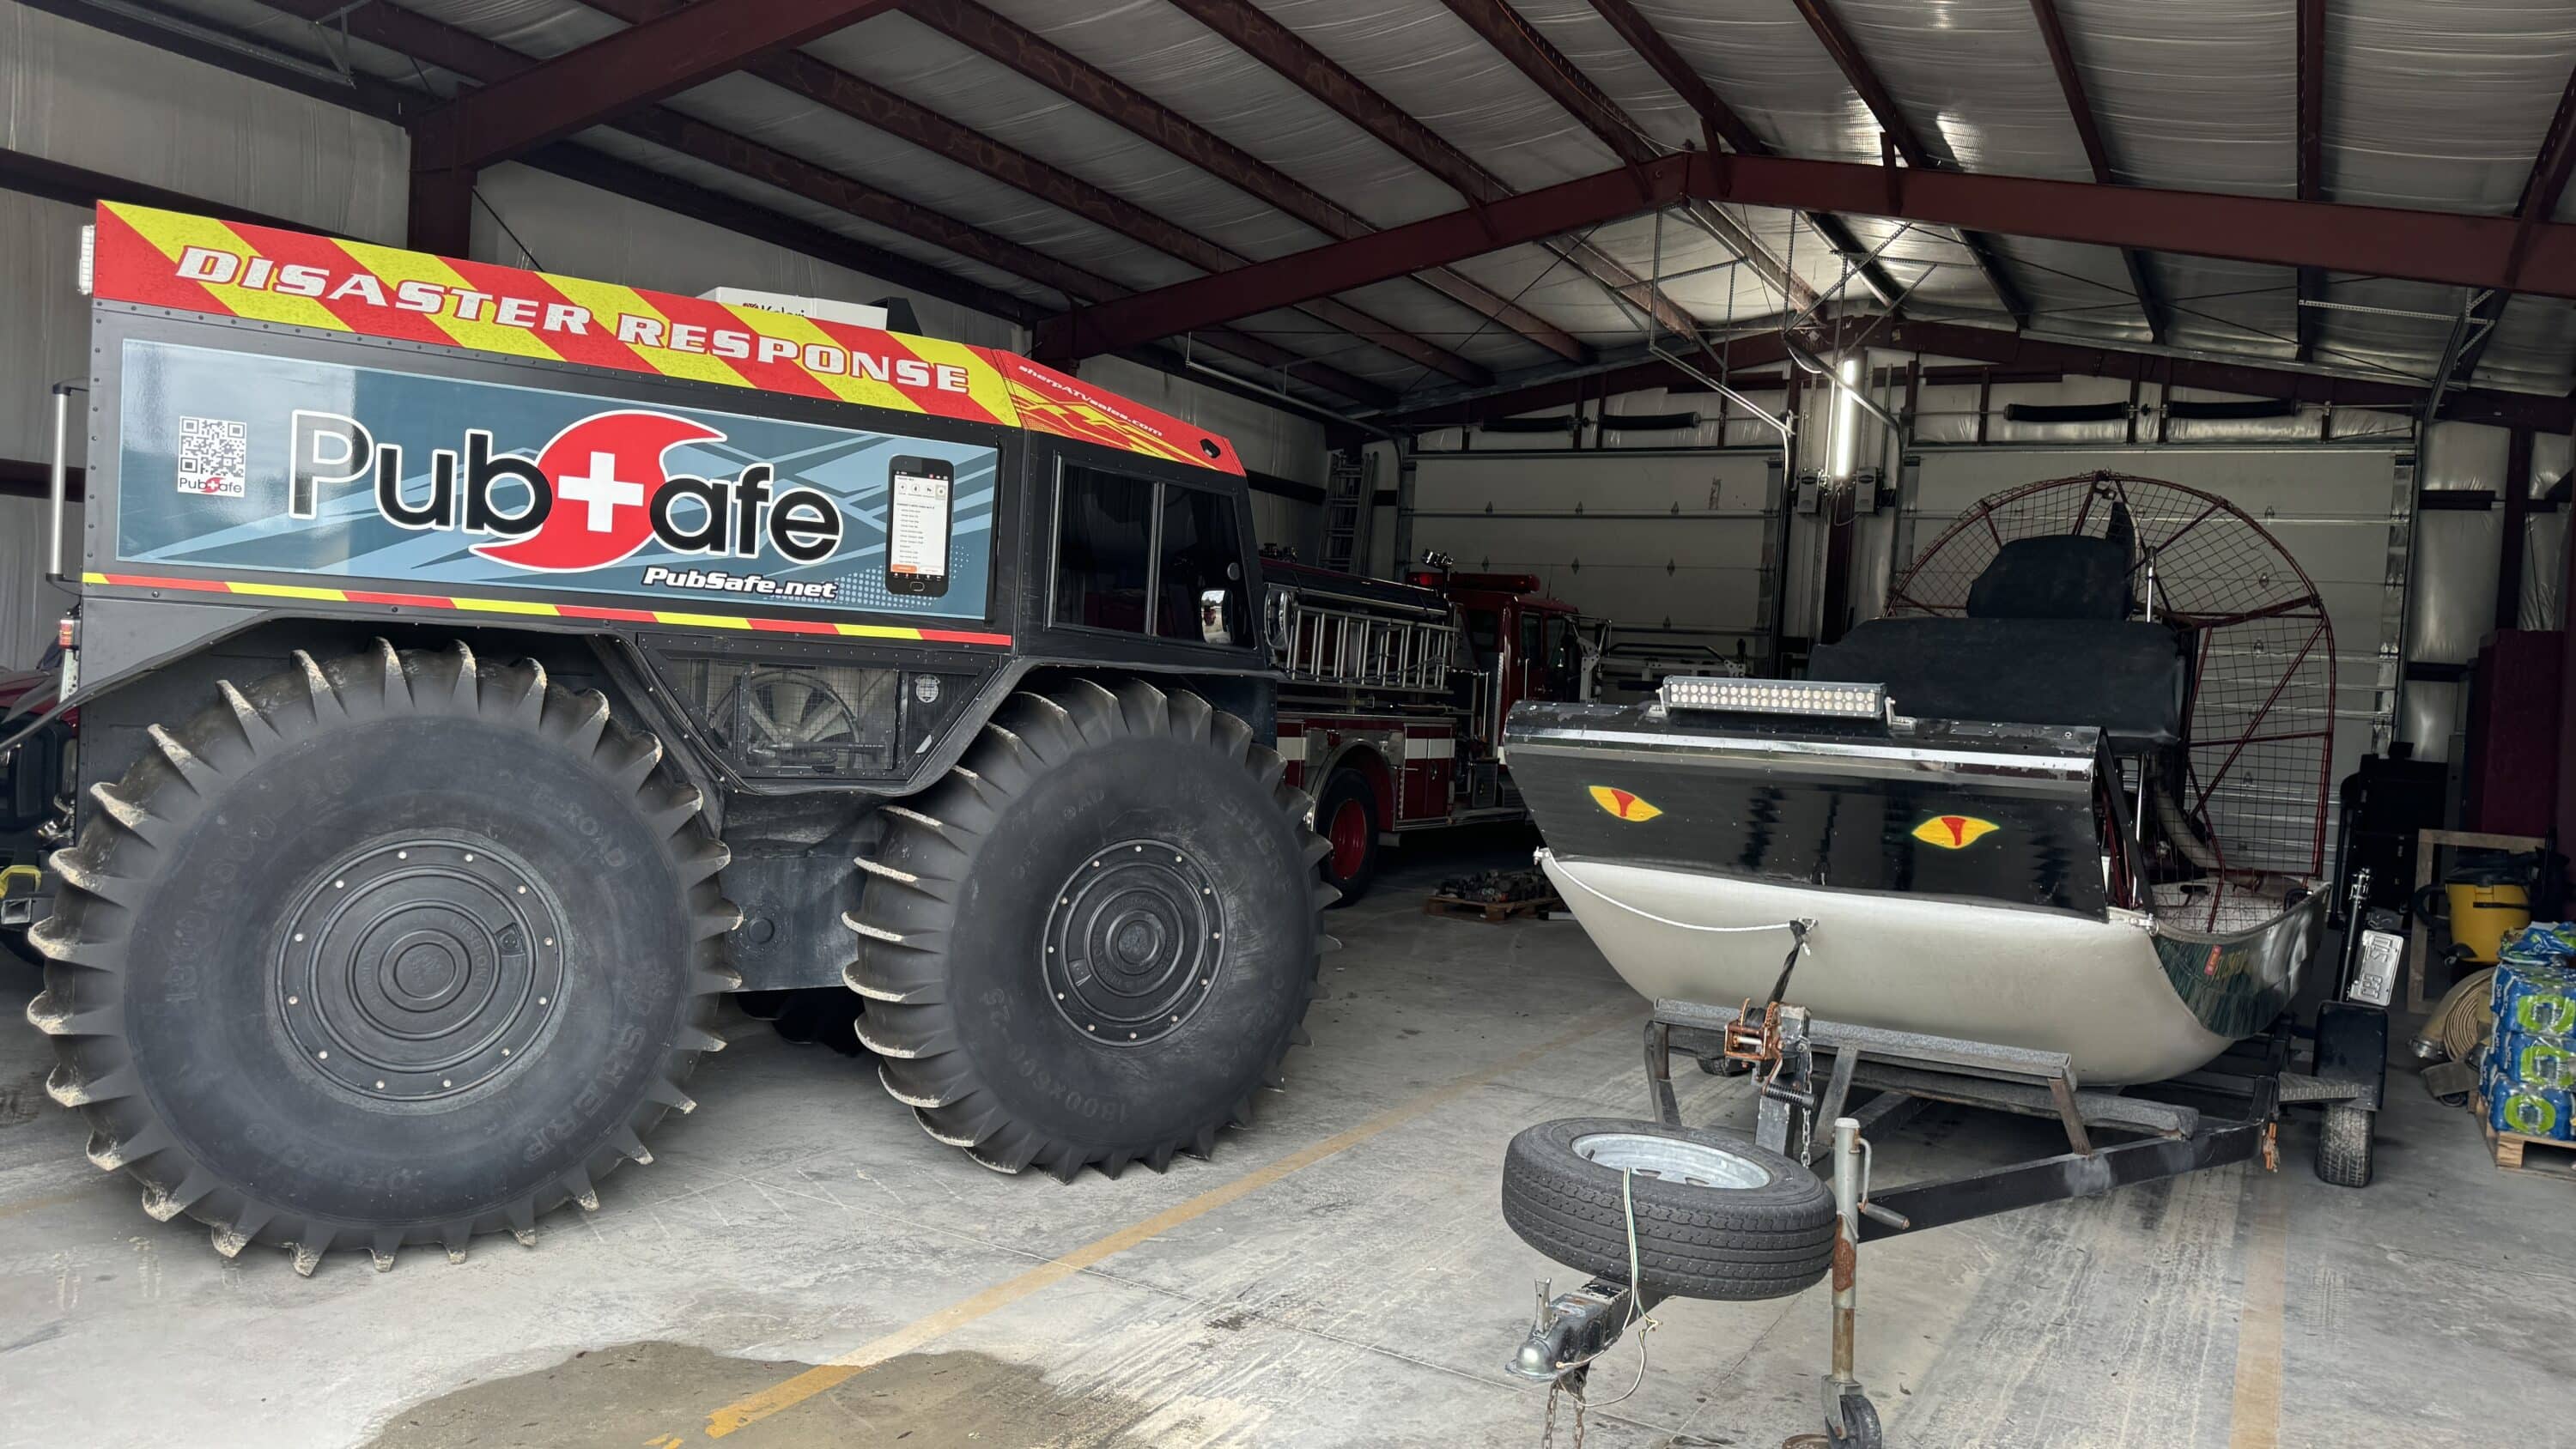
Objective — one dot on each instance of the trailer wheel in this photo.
(1095, 939)
(1346, 816)
(397, 950)
(2343, 1145)
(1716, 1216)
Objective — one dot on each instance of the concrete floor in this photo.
(1339, 1275)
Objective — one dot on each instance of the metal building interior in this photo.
(1715, 335)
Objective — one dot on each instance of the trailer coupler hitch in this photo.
(1573, 1329)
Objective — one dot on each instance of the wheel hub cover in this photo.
(417, 969)
(1134, 941)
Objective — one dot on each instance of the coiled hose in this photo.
(2462, 1019)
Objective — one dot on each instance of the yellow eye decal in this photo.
(1627, 806)
(1953, 832)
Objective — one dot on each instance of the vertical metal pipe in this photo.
(60, 483)
(1846, 1256)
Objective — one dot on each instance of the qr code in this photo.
(214, 457)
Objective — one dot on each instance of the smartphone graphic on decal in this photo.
(918, 514)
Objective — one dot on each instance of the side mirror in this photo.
(1278, 620)
(1217, 621)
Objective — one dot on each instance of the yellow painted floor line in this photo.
(2254, 1422)
(922, 1331)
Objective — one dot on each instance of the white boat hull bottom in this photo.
(2095, 990)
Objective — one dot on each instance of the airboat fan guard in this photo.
(2254, 779)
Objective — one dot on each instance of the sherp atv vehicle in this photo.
(482, 671)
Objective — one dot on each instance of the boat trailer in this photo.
(1805, 1071)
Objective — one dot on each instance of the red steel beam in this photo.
(2070, 80)
(2021, 359)
(1865, 83)
(874, 106)
(1503, 28)
(1717, 119)
(1719, 122)
(483, 61)
(1104, 95)
(2433, 246)
(2541, 191)
(1284, 51)
(900, 117)
(618, 73)
(2312, 162)
(1511, 36)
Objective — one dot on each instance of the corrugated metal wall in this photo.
(29, 606)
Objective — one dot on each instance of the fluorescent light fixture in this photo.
(1825, 697)
(1847, 417)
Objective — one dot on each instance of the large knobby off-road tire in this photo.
(1716, 1216)
(400, 949)
(1094, 940)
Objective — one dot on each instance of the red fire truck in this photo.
(1396, 694)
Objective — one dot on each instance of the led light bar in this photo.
(1775, 696)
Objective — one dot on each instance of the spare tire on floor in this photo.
(1716, 1216)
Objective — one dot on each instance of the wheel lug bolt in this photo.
(1131, 1036)
(444, 1082)
(339, 885)
(292, 1000)
(1089, 1027)
(321, 1056)
(380, 1086)
(523, 890)
(399, 855)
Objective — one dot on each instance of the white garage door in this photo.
(1675, 548)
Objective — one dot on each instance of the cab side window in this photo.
(1199, 555)
(1139, 556)
(1104, 550)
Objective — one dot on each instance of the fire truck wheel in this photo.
(1346, 816)
(1093, 941)
(395, 950)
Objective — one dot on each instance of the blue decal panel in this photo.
(235, 462)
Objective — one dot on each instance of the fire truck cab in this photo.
(1396, 693)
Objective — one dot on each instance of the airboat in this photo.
(2046, 839)
(2069, 795)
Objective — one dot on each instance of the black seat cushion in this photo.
(2064, 576)
(2124, 678)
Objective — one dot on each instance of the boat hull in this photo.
(2126, 1004)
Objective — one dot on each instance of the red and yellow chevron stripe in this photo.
(531, 608)
(232, 269)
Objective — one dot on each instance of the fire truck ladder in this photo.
(1330, 641)
(1346, 511)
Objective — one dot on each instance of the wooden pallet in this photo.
(1492, 913)
(2539, 1156)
